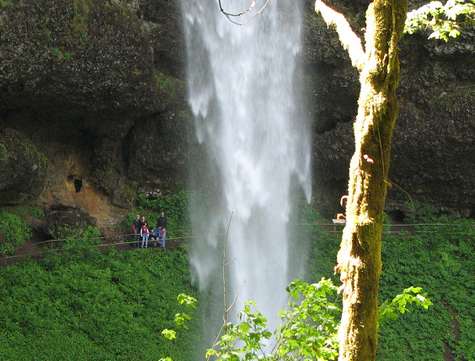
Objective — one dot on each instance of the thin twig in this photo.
(232, 304)
(225, 314)
(240, 14)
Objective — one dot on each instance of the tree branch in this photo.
(239, 14)
(348, 38)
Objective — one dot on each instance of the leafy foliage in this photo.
(308, 330)
(443, 21)
(437, 255)
(26, 211)
(174, 205)
(181, 319)
(75, 234)
(14, 232)
(94, 307)
(310, 324)
(439, 259)
(390, 310)
(79, 242)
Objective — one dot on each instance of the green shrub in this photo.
(436, 255)
(14, 232)
(438, 258)
(174, 205)
(25, 211)
(5, 3)
(107, 307)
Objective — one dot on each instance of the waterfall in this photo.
(246, 100)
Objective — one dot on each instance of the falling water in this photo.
(248, 112)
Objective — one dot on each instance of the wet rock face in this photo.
(164, 16)
(157, 151)
(58, 217)
(432, 157)
(22, 168)
(93, 55)
(79, 76)
(102, 81)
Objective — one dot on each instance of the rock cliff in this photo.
(433, 158)
(97, 88)
(92, 93)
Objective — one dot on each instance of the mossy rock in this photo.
(63, 220)
(22, 168)
(89, 55)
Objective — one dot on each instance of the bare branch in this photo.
(250, 9)
(348, 38)
(225, 302)
(231, 306)
(227, 308)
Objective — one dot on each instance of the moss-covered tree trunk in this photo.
(359, 258)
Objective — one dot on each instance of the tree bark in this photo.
(359, 258)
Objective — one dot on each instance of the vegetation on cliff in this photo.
(98, 306)
(435, 254)
(14, 231)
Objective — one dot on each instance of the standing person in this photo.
(136, 226)
(162, 227)
(162, 236)
(155, 235)
(142, 222)
(145, 234)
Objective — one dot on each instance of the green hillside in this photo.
(96, 307)
(437, 257)
(87, 305)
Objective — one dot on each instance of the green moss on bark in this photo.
(359, 258)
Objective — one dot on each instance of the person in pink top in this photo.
(145, 234)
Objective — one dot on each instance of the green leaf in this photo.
(187, 300)
(169, 334)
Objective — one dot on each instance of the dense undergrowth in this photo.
(14, 232)
(93, 306)
(437, 255)
(86, 305)
(175, 206)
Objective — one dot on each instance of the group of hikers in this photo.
(143, 233)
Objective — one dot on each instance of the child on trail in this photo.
(145, 234)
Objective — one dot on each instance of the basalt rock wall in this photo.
(96, 89)
(433, 155)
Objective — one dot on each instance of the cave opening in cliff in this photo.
(78, 185)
